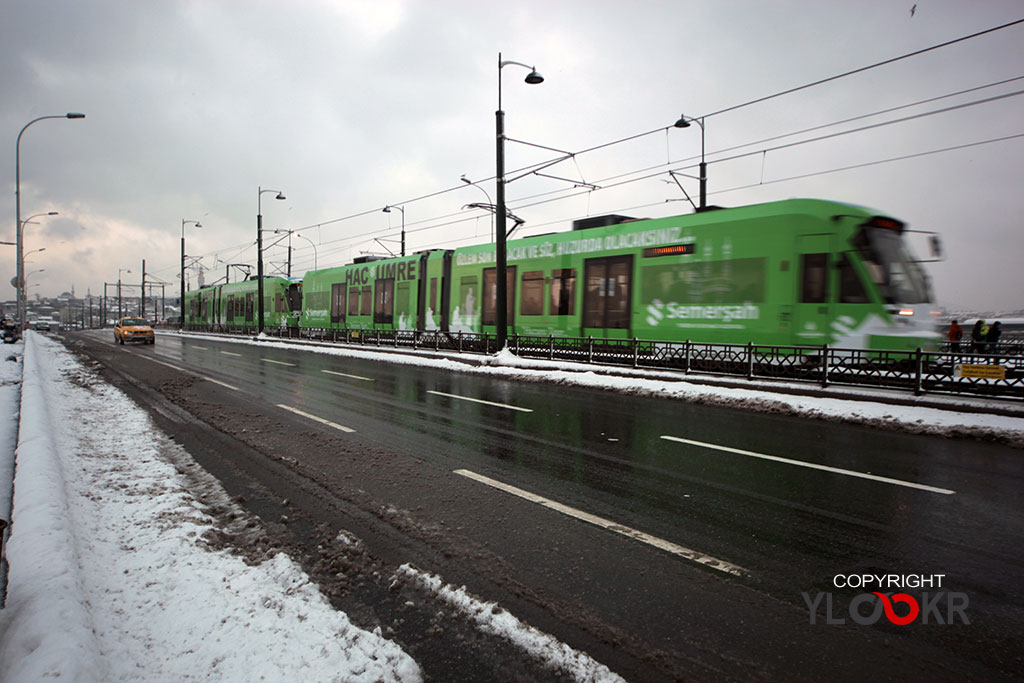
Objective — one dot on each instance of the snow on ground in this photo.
(110, 578)
(956, 418)
(491, 618)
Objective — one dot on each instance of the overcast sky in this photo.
(347, 106)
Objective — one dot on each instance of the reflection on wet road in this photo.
(790, 500)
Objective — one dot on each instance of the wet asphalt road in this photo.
(731, 487)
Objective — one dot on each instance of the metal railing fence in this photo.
(996, 373)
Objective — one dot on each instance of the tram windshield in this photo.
(892, 268)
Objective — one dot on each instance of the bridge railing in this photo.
(996, 373)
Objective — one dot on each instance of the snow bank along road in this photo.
(114, 574)
(361, 510)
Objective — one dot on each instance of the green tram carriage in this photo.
(232, 307)
(796, 272)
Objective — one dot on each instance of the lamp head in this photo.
(533, 78)
(683, 122)
(52, 213)
(198, 224)
(75, 115)
(466, 180)
(387, 209)
(280, 195)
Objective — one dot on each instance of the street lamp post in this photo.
(20, 265)
(298, 234)
(259, 254)
(387, 209)
(489, 206)
(181, 317)
(684, 122)
(501, 277)
(120, 313)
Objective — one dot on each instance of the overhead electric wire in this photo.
(573, 155)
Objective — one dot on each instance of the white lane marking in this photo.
(230, 353)
(661, 544)
(477, 400)
(201, 348)
(801, 463)
(315, 418)
(191, 372)
(277, 362)
(342, 374)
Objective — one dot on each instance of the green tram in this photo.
(232, 307)
(798, 272)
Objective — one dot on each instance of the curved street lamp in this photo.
(297, 234)
(120, 313)
(259, 254)
(684, 122)
(20, 265)
(489, 205)
(181, 316)
(387, 209)
(501, 278)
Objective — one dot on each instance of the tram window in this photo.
(384, 300)
(294, 298)
(231, 309)
(366, 301)
(532, 293)
(851, 289)
(249, 299)
(490, 295)
(468, 293)
(433, 293)
(563, 292)
(815, 273)
(353, 301)
(606, 297)
(338, 302)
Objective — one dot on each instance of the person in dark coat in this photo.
(978, 337)
(992, 338)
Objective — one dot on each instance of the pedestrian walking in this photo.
(992, 339)
(956, 333)
(978, 336)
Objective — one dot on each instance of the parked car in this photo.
(133, 330)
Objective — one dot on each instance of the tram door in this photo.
(606, 297)
(813, 314)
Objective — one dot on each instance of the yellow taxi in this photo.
(133, 330)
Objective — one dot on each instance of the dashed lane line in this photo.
(801, 463)
(660, 543)
(191, 372)
(277, 362)
(345, 374)
(315, 418)
(478, 400)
